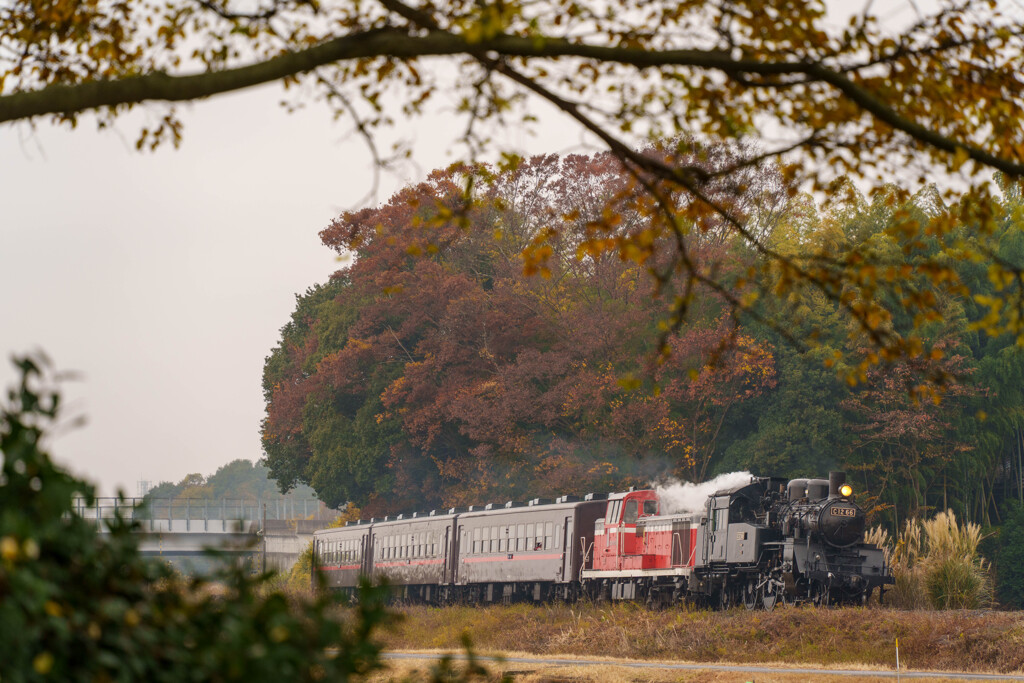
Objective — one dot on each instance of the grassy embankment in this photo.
(986, 641)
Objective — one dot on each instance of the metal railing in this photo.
(174, 514)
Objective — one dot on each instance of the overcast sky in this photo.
(164, 278)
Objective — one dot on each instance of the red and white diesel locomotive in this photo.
(765, 542)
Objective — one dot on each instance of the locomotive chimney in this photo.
(835, 480)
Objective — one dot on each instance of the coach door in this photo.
(447, 572)
(569, 549)
(366, 561)
(456, 553)
(371, 546)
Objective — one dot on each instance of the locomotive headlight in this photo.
(846, 490)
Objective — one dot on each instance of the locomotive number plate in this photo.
(844, 512)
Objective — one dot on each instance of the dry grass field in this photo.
(978, 641)
(519, 672)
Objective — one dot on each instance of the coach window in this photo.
(632, 511)
(548, 528)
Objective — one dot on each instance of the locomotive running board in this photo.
(634, 573)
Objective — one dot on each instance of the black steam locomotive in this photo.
(770, 541)
(759, 544)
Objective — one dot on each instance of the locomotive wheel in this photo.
(751, 596)
(770, 596)
(725, 599)
(820, 595)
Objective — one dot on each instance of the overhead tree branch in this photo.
(69, 99)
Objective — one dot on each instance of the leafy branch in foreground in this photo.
(78, 606)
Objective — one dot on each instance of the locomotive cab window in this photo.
(650, 508)
(632, 511)
(613, 512)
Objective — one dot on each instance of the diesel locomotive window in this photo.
(613, 515)
(632, 511)
(650, 507)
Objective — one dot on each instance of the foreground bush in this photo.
(936, 564)
(77, 607)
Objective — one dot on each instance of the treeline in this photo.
(238, 479)
(434, 372)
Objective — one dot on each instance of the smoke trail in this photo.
(677, 496)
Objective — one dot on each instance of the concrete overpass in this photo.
(267, 533)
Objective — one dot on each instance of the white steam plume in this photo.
(680, 497)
